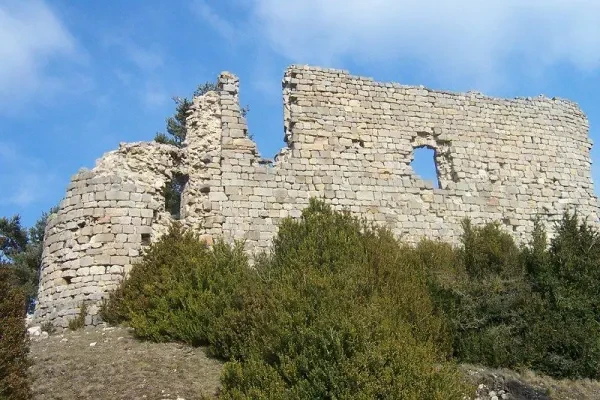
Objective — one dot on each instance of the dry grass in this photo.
(119, 367)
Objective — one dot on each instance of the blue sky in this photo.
(78, 77)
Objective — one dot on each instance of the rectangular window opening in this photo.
(172, 193)
(425, 166)
(145, 239)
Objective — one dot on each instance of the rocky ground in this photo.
(108, 363)
(496, 384)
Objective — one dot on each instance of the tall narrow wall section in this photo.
(350, 141)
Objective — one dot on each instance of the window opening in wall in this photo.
(424, 165)
(358, 143)
(145, 239)
(172, 193)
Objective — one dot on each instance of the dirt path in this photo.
(70, 366)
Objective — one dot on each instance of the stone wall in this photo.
(350, 141)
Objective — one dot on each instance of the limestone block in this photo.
(97, 270)
(119, 260)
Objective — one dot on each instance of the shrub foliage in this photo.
(14, 346)
(537, 306)
(21, 250)
(339, 309)
(79, 321)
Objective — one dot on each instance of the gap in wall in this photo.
(146, 239)
(264, 100)
(424, 165)
(172, 193)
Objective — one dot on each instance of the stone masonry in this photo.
(350, 141)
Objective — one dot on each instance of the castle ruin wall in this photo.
(350, 141)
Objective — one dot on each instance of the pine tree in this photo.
(176, 125)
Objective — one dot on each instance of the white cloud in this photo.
(31, 37)
(147, 60)
(473, 39)
(222, 26)
(154, 96)
(24, 180)
(145, 79)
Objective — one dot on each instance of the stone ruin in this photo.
(350, 141)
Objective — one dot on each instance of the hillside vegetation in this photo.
(330, 313)
(341, 309)
(14, 344)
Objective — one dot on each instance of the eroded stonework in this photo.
(350, 141)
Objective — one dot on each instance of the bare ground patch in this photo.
(119, 367)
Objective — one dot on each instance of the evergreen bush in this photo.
(14, 343)
(537, 306)
(341, 309)
(337, 310)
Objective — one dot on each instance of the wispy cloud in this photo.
(145, 59)
(32, 38)
(221, 25)
(8, 153)
(154, 96)
(25, 180)
(141, 70)
(479, 42)
(30, 188)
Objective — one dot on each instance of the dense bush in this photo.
(537, 306)
(14, 347)
(341, 309)
(567, 276)
(337, 310)
(482, 290)
(79, 321)
(344, 314)
(21, 250)
(180, 288)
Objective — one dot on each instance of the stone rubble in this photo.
(350, 141)
(34, 331)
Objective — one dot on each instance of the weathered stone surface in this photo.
(350, 141)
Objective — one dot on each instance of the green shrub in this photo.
(534, 307)
(488, 252)
(340, 309)
(337, 310)
(79, 321)
(567, 276)
(481, 288)
(343, 313)
(179, 287)
(14, 343)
